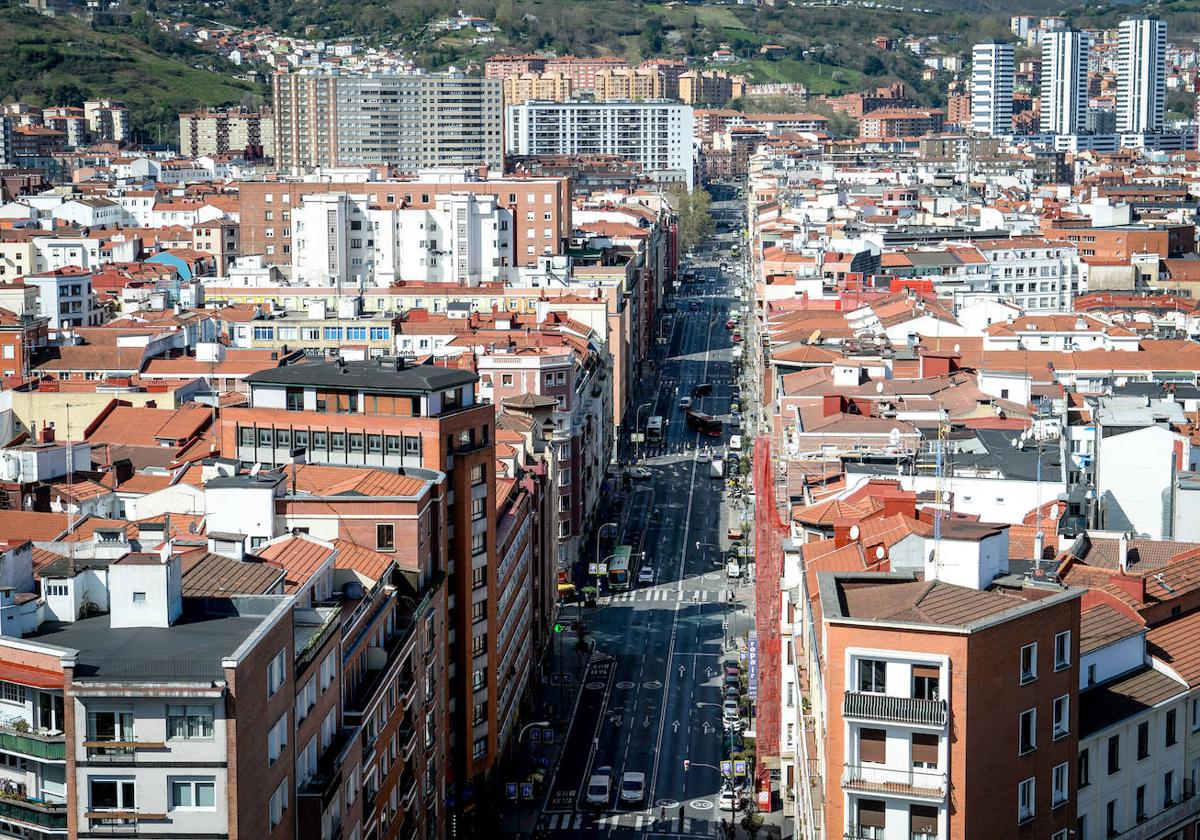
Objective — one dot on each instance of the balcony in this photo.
(408, 740)
(904, 710)
(118, 752)
(876, 832)
(909, 783)
(33, 744)
(408, 791)
(49, 816)
(1164, 821)
(327, 781)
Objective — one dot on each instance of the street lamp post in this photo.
(600, 533)
(638, 431)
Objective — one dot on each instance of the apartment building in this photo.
(107, 119)
(671, 70)
(945, 710)
(710, 87)
(523, 87)
(656, 134)
(390, 413)
(70, 121)
(1064, 81)
(582, 70)
(225, 131)
(991, 88)
(630, 83)
(407, 122)
(503, 66)
(340, 239)
(891, 123)
(1141, 78)
(65, 296)
(540, 208)
(1035, 274)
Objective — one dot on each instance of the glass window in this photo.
(356, 442)
(245, 436)
(277, 739)
(1029, 663)
(385, 536)
(320, 440)
(872, 676)
(374, 443)
(193, 794)
(1062, 650)
(1028, 731)
(1025, 800)
(193, 722)
(392, 442)
(337, 441)
(276, 671)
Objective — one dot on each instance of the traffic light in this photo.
(686, 764)
(558, 628)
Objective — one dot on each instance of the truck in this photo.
(716, 469)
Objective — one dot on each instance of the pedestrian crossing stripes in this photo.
(638, 821)
(704, 596)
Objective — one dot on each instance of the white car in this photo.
(733, 571)
(640, 473)
(599, 789)
(646, 574)
(730, 710)
(685, 403)
(633, 788)
(703, 455)
(729, 800)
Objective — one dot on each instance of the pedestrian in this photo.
(662, 814)
(681, 813)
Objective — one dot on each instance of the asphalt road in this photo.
(652, 695)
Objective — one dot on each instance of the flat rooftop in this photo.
(191, 650)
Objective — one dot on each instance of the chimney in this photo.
(46, 434)
(1123, 553)
(845, 531)
(831, 404)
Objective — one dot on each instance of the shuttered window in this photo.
(872, 746)
(871, 812)
(922, 820)
(925, 749)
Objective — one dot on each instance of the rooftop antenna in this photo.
(939, 485)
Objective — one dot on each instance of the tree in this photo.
(874, 66)
(695, 218)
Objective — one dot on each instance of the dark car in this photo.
(702, 390)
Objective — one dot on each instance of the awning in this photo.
(27, 675)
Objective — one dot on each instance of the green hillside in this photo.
(63, 61)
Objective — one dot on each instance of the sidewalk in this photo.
(551, 700)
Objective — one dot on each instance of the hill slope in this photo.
(63, 61)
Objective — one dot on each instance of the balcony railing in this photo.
(884, 707)
(1162, 822)
(51, 816)
(895, 781)
(33, 744)
(118, 752)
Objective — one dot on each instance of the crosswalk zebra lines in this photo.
(637, 821)
(704, 596)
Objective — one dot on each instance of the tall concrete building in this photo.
(107, 119)
(992, 88)
(656, 134)
(215, 132)
(1064, 81)
(410, 122)
(526, 86)
(1141, 76)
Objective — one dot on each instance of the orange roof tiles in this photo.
(300, 556)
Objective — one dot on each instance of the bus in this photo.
(618, 569)
(654, 428)
(705, 424)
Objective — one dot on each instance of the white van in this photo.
(599, 789)
(735, 443)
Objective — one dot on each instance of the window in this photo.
(306, 698)
(478, 508)
(276, 671)
(478, 543)
(1143, 740)
(385, 536)
(1196, 714)
(1028, 731)
(12, 693)
(479, 611)
(277, 739)
(479, 749)
(1062, 716)
(193, 794)
(306, 762)
(1110, 818)
(872, 746)
(113, 795)
(871, 818)
(279, 804)
(1025, 801)
(1058, 785)
(922, 822)
(1169, 737)
(1083, 768)
(1062, 650)
(872, 676)
(1168, 789)
(1029, 663)
(925, 750)
(1114, 754)
(192, 722)
(1091, 674)
(925, 682)
(328, 728)
(1139, 803)
(328, 667)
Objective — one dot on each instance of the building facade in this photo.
(992, 88)
(1141, 78)
(1064, 81)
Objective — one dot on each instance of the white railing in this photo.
(909, 782)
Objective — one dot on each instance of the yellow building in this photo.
(629, 83)
(17, 258)
(710, 87)
(554, 87)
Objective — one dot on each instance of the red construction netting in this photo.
(769, 531)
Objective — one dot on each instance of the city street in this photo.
(652, 695)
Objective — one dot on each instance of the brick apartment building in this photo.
(391, 413)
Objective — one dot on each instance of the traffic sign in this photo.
(510, 790)
(726, 768)
(526, 790)
(593, 568)
(547, 736)
(739, 768)
(602, 569)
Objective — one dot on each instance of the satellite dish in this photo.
(894, 437)
(854, 532)
(955, 348)
(1016, 442)
(878, 387)
(1054, 511)
(879, 552)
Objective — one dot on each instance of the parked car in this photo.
(599, 789)
(640, 473)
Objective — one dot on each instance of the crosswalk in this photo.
(637, 821)
(705, 596)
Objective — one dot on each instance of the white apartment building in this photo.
(107, 119)
(465, 240)
(65, 297)
(657, 133)
(992, 88)
(1035, 274)
(1141, 80)
(1064, 81)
